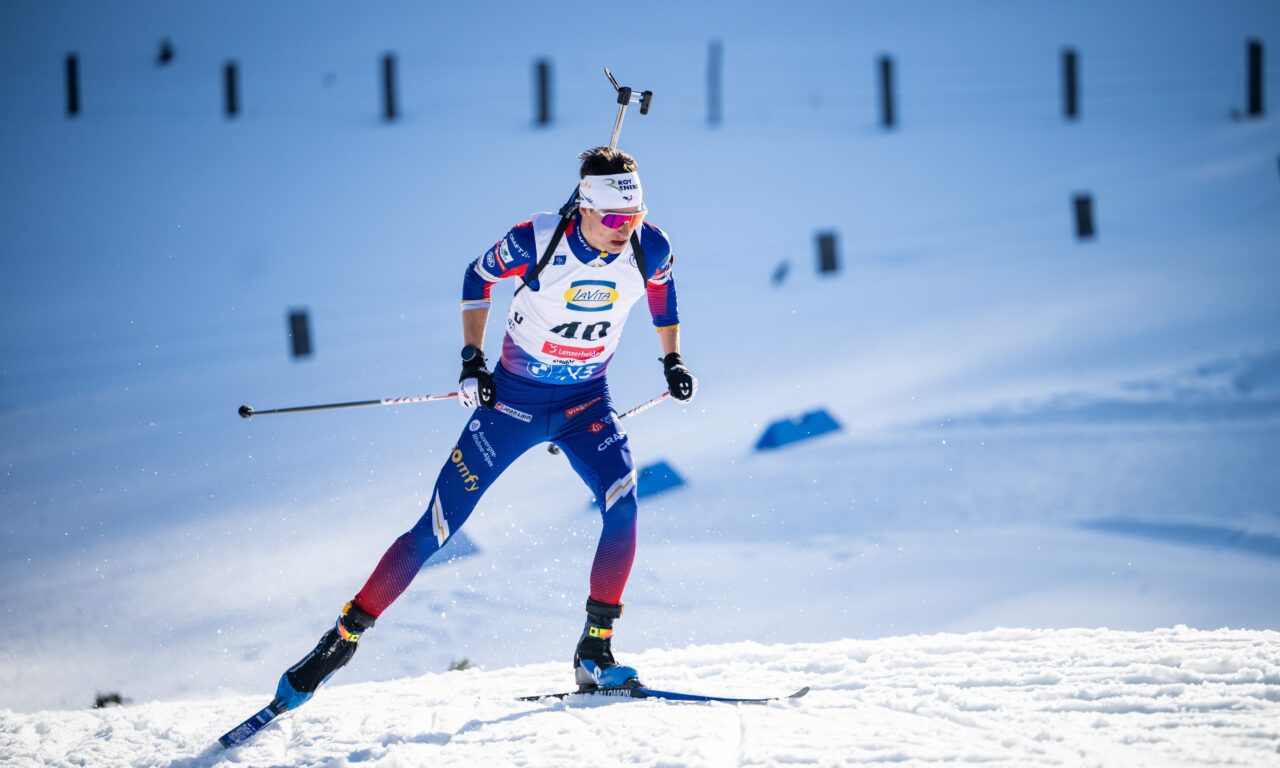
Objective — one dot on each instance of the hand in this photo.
(680, 383)
(476, 382)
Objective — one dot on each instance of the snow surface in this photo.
(1038, 432)
(1001, 697)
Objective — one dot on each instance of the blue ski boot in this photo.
(332, 653)
(593, 662)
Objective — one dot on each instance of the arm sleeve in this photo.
(509, 257)
(660, 286)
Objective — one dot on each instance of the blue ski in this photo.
(243, 731)
(641, 692)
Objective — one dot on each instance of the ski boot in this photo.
(593, 662)
(335, 649)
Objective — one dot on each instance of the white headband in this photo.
(606, 193)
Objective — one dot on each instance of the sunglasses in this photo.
(616, 220)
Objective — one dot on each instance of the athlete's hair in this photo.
(603, 161)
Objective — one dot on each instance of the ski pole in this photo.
(246, 411)
(646, 405)
(641, 408)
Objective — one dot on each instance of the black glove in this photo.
(477, 383)
(680, 383)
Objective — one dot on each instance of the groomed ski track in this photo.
(1003, 697)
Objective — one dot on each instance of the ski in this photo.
(243, 731)
(641, 692)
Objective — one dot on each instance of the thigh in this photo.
(489, 443)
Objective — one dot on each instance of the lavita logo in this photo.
(591, 295)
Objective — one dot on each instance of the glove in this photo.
(476, 382)
(680, 383)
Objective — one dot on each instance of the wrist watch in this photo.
(471, 352)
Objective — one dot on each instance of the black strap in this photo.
(567, 212)
(639, 252)
(566, 215)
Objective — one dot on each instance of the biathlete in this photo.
(550, 384)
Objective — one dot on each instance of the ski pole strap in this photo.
(566, 215)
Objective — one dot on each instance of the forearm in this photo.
(473, 326)
(670, 339)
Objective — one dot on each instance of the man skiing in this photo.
(549, 385)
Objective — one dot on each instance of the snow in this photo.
(1167, 697)
(1038, 432)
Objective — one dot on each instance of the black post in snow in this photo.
(1070, 84)
(73, 84)
(828, 258)
(230, 90)
(886, 92)
(1083, 203)
(542, 74)
(1256, 107)
(389, 87)
(299, 333)
(715, 53)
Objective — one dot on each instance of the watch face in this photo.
(469, 353)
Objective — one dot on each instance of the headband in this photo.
(606, 193)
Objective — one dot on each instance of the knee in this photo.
(618, 502)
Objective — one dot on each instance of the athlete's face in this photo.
(602, 238)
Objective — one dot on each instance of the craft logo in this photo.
(580, 407)
(515, 243)
(572, 353)
(596, 426)
(513, 413)
(469, 479)
(591, 295)
(610, 440)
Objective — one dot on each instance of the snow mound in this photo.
(1246, 387)
(1175, 696)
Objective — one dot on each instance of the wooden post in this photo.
(887, 118)
(828, 259)
(230, 90)
(1256, 107)
(299, 333)
(542, 72)
(73, 84)
(1084, 216)
(389, 87)
(1070, 84)
(715, 54)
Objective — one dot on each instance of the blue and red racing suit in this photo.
(551, 386)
